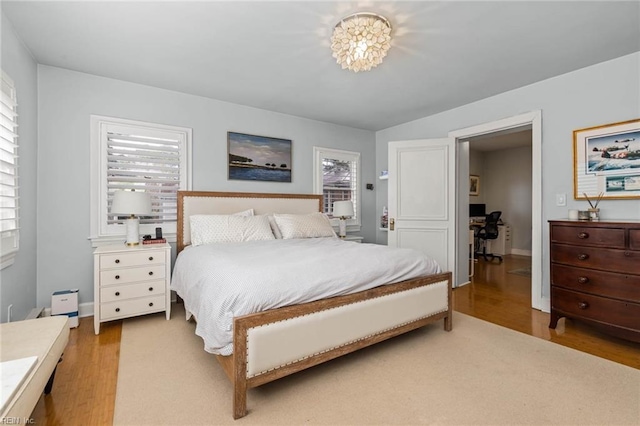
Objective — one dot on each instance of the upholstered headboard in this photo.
(203, 202)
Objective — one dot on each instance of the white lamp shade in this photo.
(131, 203)
(343, 209)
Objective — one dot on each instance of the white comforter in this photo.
(223, 280)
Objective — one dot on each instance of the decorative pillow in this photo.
(312, 225)
(207, 229)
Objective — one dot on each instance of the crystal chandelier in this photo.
(360, 41)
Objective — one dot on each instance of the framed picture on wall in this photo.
(607, 161)
(258, 158)
(474, 185)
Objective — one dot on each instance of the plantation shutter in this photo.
(8, 162)
(339, 181)
(144, 163)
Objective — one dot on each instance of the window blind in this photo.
(8, 159)
(144, 163)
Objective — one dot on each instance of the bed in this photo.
(257, 343)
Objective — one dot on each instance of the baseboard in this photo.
(84, 310)
(521, 252)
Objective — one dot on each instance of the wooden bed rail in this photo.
(236, 365)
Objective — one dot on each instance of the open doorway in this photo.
(495, 133)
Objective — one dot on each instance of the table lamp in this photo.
(343, 210)
(132, 204)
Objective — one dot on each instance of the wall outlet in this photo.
(561, 200)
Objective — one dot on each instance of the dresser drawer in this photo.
(132, 307)
(122, 292)
(118, 260)
(588, 236)
(130, 275)
(634, 239)
(623, 261)
(601, 309)
(608, 284)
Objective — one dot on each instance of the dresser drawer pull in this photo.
(150, 272)
(117, 309)
(150, 258)
(150, 288)
(117, 277)
(151, 304)
(583, 256)
(117, 293)
(583, 235)
(117, 260)
(583, 305)
(583, 280)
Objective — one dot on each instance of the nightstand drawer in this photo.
(130, 275)
(130, 291)
(119, 260)
(132, 307)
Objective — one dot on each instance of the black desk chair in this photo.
(489, 232)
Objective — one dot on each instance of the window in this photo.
(9, 229)
(336, 177)
(132, 155)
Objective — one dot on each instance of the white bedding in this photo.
(220, 281)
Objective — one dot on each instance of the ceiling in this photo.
(276, 55)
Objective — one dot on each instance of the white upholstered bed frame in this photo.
(275, 343)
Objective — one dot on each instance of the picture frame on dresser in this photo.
(606, 159)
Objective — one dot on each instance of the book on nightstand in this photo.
(154, 241)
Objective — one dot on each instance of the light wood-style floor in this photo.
(85, 385)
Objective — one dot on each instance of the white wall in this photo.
(604, 93)
(66, 100)
(18, 281)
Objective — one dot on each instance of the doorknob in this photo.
(392, 224)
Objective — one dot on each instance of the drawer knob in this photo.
(583, 305)
(117, 309)
(627, 254)
(150, 272)
(583, 280)
(150, 288)
(117, 260)
(150, 258)
(583, 256)
(117, 293)
(117, 277)
(151, 304)
(583, 235)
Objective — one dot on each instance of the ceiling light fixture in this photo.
(360, 41)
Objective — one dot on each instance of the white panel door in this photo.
(422, 198)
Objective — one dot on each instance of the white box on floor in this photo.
(65, 302)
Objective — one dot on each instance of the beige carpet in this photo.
(479, 373)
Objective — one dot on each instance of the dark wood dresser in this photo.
(595, 274)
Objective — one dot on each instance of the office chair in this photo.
(489, 232)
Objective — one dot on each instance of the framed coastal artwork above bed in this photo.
(607, 161)
(258, 158)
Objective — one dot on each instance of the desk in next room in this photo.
(500, 246)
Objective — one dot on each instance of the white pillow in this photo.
(274, 227)
(313, 225)
(248, 212)
(207, 229)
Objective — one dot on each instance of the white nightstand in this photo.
(130, 281)
(354, 238)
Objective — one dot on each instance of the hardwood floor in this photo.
(85, 385)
